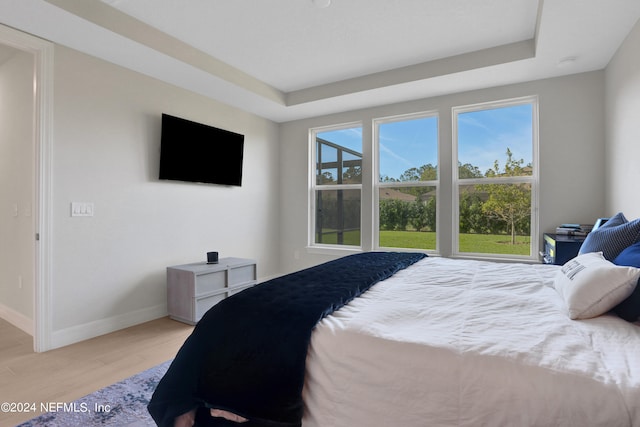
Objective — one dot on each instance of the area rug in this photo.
(123, 404)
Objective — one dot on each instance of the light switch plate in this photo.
(81, 209)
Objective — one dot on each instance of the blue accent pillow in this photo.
(613, 237)
(629, 309)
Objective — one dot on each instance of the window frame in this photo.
(533, 179)
(377, 184)
(447, 184)
(314, 187)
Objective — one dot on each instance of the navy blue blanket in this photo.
(247, 354)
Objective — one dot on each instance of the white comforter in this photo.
(470, 343)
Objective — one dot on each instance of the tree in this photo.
(353, 174)
(419, 214)
(468, 171)
(325, 178)
(426, 172)
(430, 213)
(509, 203)
(399, 214)
(472, 219)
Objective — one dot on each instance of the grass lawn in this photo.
(350, 238)
(478, 243)
(494, 244)
(407, 239)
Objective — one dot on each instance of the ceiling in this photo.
(291, 59)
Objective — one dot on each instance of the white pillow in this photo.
(590, 285)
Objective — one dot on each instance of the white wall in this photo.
(623, 128)
(16, 190)
(109, 269)
(571, 152)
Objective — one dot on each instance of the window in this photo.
(337, 185)
(407, 184)
(496, 178)
(390, 190)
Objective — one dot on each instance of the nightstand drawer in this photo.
(205, 303)
(240, 275)
(210, 282)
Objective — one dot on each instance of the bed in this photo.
(442, 342)
(468, 343)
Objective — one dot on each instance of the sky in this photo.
(483, 138)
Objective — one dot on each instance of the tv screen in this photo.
(196, 152)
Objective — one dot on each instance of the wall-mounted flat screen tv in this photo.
(196, 152)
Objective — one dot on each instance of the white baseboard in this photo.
(17, 319)
(96, 328)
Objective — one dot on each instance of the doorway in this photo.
(30, 210)
(17, 246)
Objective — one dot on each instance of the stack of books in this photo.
(574, 229)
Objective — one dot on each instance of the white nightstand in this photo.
(192, 289)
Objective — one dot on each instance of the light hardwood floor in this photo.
(68, 373)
